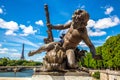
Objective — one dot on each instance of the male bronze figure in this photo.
(60, 57)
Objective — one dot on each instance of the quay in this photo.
(104, 75)
(17, 68)
(20, 67)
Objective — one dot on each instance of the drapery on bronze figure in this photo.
(61, 55)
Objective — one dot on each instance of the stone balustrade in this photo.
(107, 74)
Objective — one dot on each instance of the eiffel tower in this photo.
(22, 55)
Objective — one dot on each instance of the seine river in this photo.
(25, 73)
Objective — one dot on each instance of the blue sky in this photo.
(23, 21)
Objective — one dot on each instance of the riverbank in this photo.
(13, 78)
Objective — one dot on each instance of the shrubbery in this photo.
(96, 75)
(110, 52)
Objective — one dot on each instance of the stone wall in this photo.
(110, 75)
(107, 74)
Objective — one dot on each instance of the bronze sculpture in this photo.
(61, 55)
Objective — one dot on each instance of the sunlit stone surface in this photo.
(61, 76)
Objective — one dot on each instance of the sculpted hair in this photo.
(81, 15)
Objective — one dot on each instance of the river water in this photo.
(25, 73)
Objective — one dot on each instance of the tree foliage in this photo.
(110, 52)
(8, 62)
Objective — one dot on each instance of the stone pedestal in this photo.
(61, 76)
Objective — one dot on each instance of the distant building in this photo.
(22, 54)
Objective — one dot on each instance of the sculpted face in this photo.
(79, 18)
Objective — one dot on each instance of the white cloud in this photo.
(10, 26)
(40, 58)
(13, 50)
(107, 22)
(82, 44)
(95, 42)
(56, 39)
(27, 30)
(96, 33)
(22, 26)
(6, 50)
(3, 50)
(108, 37)
(101, 24)
(109, 10)
(0, 45)
(10, 32)
(15, 55)
(21, 40)
(90, 23)
(104, 22)
(1, 11)
(40, 22)
(68, 21)
(63, 32)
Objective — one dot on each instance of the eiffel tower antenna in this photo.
(22, 55)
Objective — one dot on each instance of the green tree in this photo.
(3, 61)
(110, 52)
(8, 62)
(11, 63)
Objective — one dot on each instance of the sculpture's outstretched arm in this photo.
(60, 27)
(43, 48)
(89, 43)
(91, 46)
